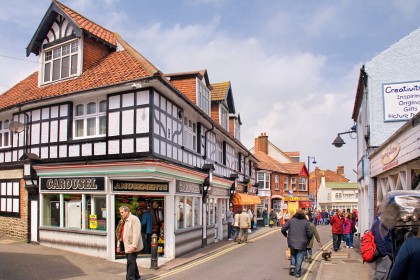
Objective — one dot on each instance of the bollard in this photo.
(154, 252)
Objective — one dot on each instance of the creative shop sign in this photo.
(187, 187)
(390, 153)
(73, 184)
(140, 186)
(401, 100)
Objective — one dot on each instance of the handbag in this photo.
(354, 230)
(288, 254)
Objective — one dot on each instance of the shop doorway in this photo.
(150, 211)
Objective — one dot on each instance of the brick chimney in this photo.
(261, 143)
(340, 170)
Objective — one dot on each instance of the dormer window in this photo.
(61, 62)
(203, 97)
(224, 118)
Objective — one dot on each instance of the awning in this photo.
(245, 199)
(305, 204)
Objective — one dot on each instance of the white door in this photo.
(34, 221)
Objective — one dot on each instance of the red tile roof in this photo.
(116, 68)
(268, 163)
(88, 25)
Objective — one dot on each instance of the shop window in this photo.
(71, 215)
(9, 199)
(187, 211)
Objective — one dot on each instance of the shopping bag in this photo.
(288, 254)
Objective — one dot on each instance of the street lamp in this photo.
(208, 181)
(309, 168)
(339, 142)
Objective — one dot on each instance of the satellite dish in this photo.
(16, 126)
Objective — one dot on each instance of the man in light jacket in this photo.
(244, 225)
(298, 233)
(128, 233)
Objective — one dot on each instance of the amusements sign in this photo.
(401, 101)
(140, 186)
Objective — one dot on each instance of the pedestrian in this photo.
(244, 225)
(298, 232)
(251, 216)
(384, 251)
(406, 264)
(235, 226)
(286, 217)
(324, 217)
(146, 221)
(229, 219)
(128, 234)
(319, 217)
(347, 229)
(272, 217)
(336, 223)
(265, 217)
(279, 216)
(308, 256)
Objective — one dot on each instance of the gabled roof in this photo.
(331, 176)
(219, 91)
(116, 68)
(297, 168)
(268, 163)
(223, 92)
(79, 23)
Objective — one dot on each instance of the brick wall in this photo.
(16, 227)
(261, 143)
(93, 52)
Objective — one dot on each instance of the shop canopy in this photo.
(245, 199)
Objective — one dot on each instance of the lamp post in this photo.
(309, 170)
(208, 181)
(339, 142)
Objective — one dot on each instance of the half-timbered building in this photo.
(99, 126)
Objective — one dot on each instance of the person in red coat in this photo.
(336, 223)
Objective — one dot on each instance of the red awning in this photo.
(305, 204)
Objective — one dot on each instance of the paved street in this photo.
(262, 258)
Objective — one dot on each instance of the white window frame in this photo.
(276, 182)
(338, 196)
(72, 50)
(293, 183)
(224, 117)
(265, 179)
(5, 139)
(9, 199)
(219, 151)
(302, 184)
(190, 135)
(203, 97)
(237, 130)
(286, 183)
(85, 118)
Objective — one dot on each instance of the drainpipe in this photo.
(205, 141)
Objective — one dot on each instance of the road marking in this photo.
(209, 257)
(316, 257)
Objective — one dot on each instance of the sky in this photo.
(293, 65)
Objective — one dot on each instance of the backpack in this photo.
(368, 247)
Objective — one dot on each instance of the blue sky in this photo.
(293, 65)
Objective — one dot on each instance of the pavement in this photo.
(344, 264)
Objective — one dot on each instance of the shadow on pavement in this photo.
(29, 266)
